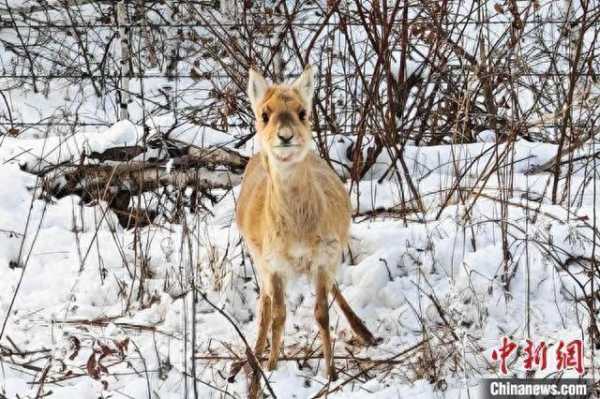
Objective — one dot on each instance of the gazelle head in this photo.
(283, 116)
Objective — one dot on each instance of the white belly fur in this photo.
(299, 258)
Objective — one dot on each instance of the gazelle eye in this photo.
(265, 117)
(302, 115)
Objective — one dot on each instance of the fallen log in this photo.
(200, 169)
(125, 153)
(180, 155)
(101, 181)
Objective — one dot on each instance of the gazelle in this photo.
(293, 212)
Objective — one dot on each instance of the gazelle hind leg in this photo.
(278, 313)
(322, 317)
(355, 322)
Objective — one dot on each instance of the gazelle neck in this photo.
(293, 200)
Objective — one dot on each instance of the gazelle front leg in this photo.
(278, 313)
(264, 322)
(323, 285)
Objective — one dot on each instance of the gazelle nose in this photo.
(285, 137)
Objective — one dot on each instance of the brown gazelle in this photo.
(293, 212)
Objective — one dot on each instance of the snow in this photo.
(39, 153)
(78, 268)
(74, 272)
(486, 136)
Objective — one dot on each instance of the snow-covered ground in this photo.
(89, 309)
(71, 270)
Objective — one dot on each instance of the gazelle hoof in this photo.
(373, 341)
(272, 364)
(332, 374)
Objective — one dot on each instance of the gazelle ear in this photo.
(257, 88)
(305, 85)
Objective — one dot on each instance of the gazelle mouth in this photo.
(287, 152)
(284, 158)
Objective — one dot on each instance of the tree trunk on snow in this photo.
(124, 59)
(278, 33)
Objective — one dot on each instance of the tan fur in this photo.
(276, 213)
(293, 212)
